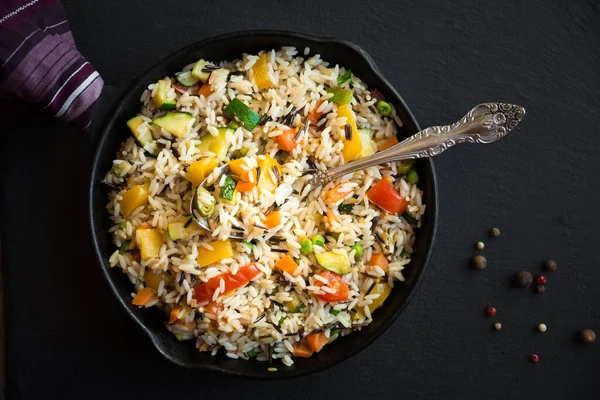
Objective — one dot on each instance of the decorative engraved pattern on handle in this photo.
(485, 123)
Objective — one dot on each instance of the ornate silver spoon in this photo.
(485, 123)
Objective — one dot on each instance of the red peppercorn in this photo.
(540, 279)
(490, 311)
(534, 357)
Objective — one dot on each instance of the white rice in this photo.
(249, 321)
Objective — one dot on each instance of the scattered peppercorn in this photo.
(490, 311)
(523, 279)
(540, 289)
(479, 262)
(587, 336)
(534, 358)
(497, 326)
(540, 279)
(480, 245)
(542, 328)
(494, 232)
(550, 265)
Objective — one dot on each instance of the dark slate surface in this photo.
(67, 337)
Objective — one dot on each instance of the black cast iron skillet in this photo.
(228, 47)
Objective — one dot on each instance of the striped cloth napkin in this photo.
(40, 64)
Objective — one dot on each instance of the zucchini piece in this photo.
(178, 230)
(186, 78)
(228, 188)
(161, 94)
(215, 144)
(142, 134)
(168, 106)
(404, 166)
(204, 202)
(334, 262)
(117, 169)
(369, 147)
(228, 191)
(293, 305)
(242, 114)
(341, 96)
(197, 71)
(174, 122)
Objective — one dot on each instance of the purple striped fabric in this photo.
(40, 64)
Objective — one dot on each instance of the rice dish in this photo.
(310, 266)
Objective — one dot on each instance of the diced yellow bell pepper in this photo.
(133, 198)
(151, 279)
(260, 72)
(265, 181)
(149, 241)
(353, 147)
(384, 290)
(200, 169)
(221, 250)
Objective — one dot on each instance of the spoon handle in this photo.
(485, 123)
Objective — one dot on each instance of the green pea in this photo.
(412, 177)
(306, 246)
(384, 107)
(358, 250)
(251, 353)
(318, 240)
(244, 151)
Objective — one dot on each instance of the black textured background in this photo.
(67, 338)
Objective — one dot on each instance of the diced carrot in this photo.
(330, 215)
(205, 90)
(287, 264)
(387, 143)
(174, 315)
(272, 219)
(334, 194)
(143, 297)
(244, 186)
(314, 116)
(300, 350)
(286, 141)
(379, 260)
(316, 341)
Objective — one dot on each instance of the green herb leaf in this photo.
(409, 218)
(345, 76)
(249, 244)
(228, 188)
(334, 312)
(283, 317)
(346, 208)
(124, 247)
